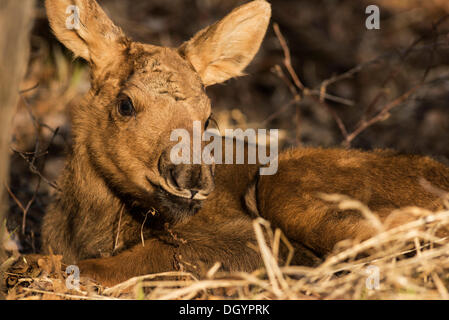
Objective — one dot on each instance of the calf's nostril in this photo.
(194, 193)
(188, 181)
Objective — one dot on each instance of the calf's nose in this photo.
(197, 179)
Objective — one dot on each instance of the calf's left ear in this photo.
(223, 50)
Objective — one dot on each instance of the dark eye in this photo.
(126, 108)
(207, 123)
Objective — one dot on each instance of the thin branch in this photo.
(380, 116)
(298, 89)
(303, 90)
(287, 59)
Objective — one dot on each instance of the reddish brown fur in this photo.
(96, 222)
(381, 179)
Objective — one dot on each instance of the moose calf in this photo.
(125, 209)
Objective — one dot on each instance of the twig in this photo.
(119, 227)
(303, 90)
(380, 116)
(68, 296)
(287, 57)
(141, 230)
(124, 285)
(298, 89)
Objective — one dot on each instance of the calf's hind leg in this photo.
(384, 182)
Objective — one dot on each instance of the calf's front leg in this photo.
(192, 249)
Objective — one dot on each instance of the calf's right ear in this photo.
(84, 28)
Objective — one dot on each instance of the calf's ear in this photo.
(84, 28)
(223, 50)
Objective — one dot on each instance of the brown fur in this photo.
(382, 180)
(115, 190)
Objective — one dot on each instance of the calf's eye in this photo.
(207, 123)
(126, 107)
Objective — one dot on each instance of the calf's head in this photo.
(140, 93)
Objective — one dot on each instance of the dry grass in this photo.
(411, 262)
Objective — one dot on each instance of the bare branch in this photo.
(299, 90)
(288, 60)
